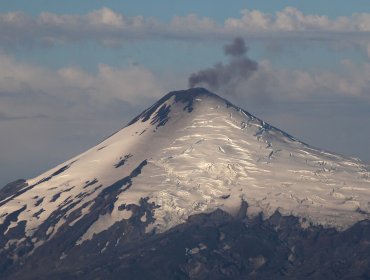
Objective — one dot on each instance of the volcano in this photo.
(192, 188)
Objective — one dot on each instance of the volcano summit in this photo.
(187, 166)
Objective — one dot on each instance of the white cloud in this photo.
(106, 17)
(33, 90)
(291, 19)
(272, 84)
(108, 27)
(131, 84)
(128, 84)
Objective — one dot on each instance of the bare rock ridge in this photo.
(200, 184)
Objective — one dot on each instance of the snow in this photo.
(143, 218)
(103, 223)
(11, 225)
(213, 157)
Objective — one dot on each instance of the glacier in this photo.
(191, 152)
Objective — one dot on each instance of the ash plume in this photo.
(236, 48)
(226, 77)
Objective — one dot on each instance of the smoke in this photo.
(236, 48)
(226, 77)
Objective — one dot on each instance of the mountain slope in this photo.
(190, 153)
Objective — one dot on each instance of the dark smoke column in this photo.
(228, 76)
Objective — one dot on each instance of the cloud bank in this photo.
(273, 84)
(130, 84)
(29, 91)
(110, 28)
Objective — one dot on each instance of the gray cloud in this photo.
(226, 77)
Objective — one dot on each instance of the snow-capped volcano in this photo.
(191, 152)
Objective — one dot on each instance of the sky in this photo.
(74, 72)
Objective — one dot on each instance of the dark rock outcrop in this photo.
(209, 246)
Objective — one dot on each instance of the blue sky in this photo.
(75, 71)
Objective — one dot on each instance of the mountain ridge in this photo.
(190, 153)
